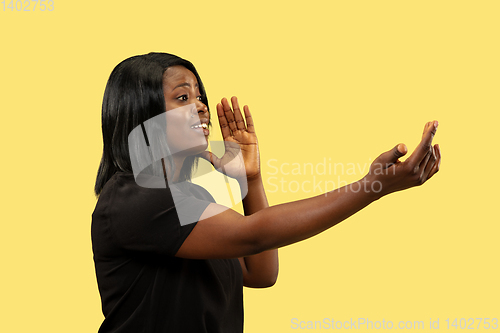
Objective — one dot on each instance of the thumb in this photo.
(390, 157)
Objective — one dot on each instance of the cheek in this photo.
(170, 105)
(178, 121)
(177, 129)
(174, 128)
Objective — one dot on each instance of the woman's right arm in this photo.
(223, 233)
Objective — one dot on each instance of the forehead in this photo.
(176, 75)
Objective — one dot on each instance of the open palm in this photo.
(241, 158)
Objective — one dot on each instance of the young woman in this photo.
(169, 258)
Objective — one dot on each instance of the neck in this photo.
(178, 162)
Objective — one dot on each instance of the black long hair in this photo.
(134, 94)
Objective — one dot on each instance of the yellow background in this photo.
(344, 80)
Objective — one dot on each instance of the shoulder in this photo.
(123, 197)
(127, 198)
(138, 219)
(195, 190)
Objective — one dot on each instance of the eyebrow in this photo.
(185, 84)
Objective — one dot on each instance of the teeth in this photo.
(205, 126)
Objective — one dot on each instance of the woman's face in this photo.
(187, 117)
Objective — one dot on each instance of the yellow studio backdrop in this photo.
(329, 83)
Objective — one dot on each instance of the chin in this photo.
(195, 150)
(202, 148)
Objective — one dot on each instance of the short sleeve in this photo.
(153, 220)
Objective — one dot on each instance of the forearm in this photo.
(292, 222)
(261, 269)
(255, 199)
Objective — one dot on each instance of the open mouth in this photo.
(204, 126)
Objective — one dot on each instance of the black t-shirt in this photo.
(135, 234)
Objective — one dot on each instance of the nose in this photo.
(201, 108)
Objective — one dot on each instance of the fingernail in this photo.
(436, 123)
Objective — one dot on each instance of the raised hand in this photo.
(241, 158)
(393, 175)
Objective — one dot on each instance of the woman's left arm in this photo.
(241, 161)
(259, 270)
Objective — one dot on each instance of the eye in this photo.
(183, 98)
(200, 98)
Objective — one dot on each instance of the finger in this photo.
(421, 167)
(425, 144)
(240, 123)
(427, 164)
(224, 127)
(390, 157)
(435, 168)
(249, 120)
(229, 115)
